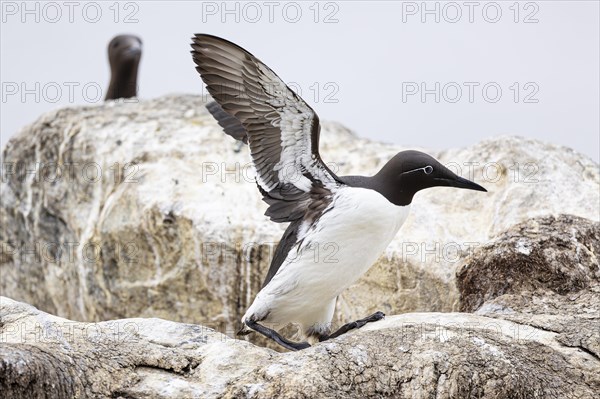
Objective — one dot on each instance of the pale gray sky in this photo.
(526, 68)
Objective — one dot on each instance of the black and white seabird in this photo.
(124, 53)
(360, 215)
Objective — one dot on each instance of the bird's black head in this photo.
(411, 171)
(124, 51)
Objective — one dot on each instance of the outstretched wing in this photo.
(281, 129)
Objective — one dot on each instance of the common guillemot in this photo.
(359, 215)
(124, 53)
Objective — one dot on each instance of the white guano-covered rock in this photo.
(155, 214)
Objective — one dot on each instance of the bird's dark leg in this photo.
(275, 336)
(353, 325)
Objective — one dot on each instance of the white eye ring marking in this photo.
(427, 169)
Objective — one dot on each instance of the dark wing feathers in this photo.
(254, 105)
(230, 124)
(320, 200)
(287, 242)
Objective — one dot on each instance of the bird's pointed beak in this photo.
(135, 49)
(461, 182)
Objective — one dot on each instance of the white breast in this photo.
(333, 254)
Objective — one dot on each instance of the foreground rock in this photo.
(414, 355)
(151, 212)
(535, 333)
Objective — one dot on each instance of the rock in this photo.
(545, 273)
(416, 355)
(555, 255)
(153, 213)
(575, 318)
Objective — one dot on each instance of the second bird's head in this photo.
(124, 51)
(413, 171)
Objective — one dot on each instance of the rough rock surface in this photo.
(173, 228)
(553, 255)
(153, 213)
(420, 355)
(545, 273)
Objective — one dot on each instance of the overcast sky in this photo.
(445, 76)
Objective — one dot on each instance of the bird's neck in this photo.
(392, 192)
(123, 82)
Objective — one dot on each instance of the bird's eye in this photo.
(428, 169)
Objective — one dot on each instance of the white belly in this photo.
(340, 248)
